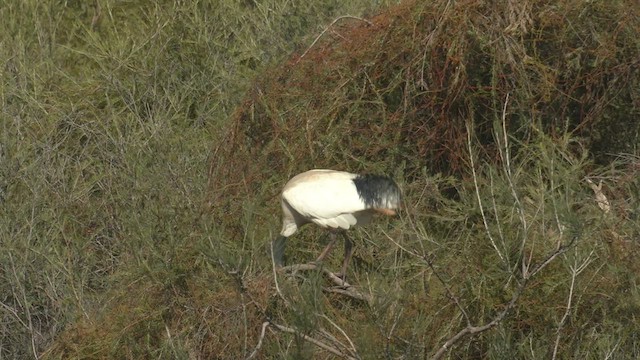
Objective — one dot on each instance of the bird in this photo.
(334, 200)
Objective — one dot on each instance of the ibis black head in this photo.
(378, 191)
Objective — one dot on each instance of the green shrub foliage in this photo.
(143, 146)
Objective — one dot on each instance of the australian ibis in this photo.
(334, 200)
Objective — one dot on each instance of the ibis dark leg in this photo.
(348, 252)
(277, 249)
(327, 249)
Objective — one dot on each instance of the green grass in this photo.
(143, 145)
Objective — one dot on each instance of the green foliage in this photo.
(451, 87)
(125, 234)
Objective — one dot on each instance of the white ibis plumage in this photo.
(335, 200)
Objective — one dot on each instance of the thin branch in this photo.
(420, 256)
(426, 259)
(353, 347)
(311, 266)
(477, 188)
(342, 287)
(514, 299)
(450, 294)
(351, 293)
(26, 303)
(327, 29)
(497, 216)
(575, 271)
(337, 343)
(255, 351)
(566, 314)
(469, 330)
(506, 160)
(312, 340)
(559, 251)
(15, 314)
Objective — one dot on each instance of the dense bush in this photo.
(143, 146)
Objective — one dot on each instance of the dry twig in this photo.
(327, 29)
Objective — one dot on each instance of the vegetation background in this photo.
(143, 146)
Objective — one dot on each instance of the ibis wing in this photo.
(328, 200)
